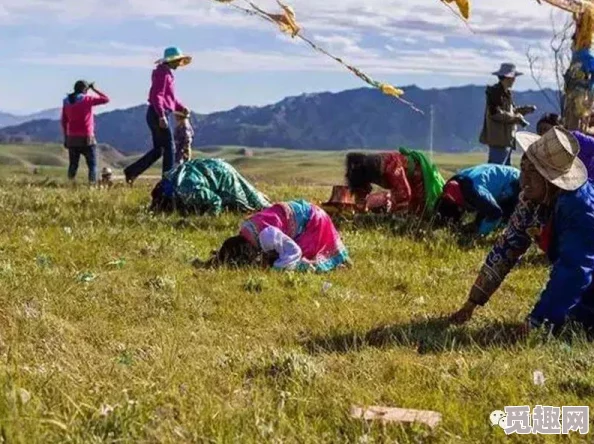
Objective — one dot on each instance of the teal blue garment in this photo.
(302, 211)
(487, 226)
(497, 180)
(494, 184)
(340, 258)
(212, 185)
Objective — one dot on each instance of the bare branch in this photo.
(559, 61)
(536, 74)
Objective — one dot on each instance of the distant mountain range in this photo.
(354, 119)
(7, 119)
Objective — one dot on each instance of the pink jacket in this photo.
(162, 94)
(77, 117)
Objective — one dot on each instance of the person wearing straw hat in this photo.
(557, 212)
(502, 116)
(162, 102)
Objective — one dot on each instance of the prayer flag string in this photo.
(463, 12)
(287, 24)
(574, 6)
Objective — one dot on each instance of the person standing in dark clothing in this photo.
(502, 116)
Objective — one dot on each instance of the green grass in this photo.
(107, 334)
(298, 167)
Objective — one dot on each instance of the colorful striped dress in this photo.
(302, 233)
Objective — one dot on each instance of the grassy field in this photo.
(107, 333)
(305, 167)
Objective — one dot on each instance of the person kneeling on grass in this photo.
(489, 190)
(206, 186)
(295, 235)
(557, 211)
(412, 180)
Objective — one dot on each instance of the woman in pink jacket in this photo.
(78, 124)
(162, 102)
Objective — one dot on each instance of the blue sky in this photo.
(240, 60)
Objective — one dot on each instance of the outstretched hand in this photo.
(211, 262)
(463, 315)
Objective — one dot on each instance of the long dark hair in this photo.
(448, 212)
(237, 252)
(80, 87)
(362, 170)
(551, 119)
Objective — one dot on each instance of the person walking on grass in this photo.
(78, 125)
(502, 116)
(162, 102)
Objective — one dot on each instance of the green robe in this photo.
(433, 181)
(212, 185)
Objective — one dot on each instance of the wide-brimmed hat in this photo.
(555, 156)
(174, 54)
(508, 70)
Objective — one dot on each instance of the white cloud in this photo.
(501, 43)
(469, 63)
(341, 43)
(524, 19)
(5, 16)
(414, 37)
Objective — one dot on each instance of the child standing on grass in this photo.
(184, 135)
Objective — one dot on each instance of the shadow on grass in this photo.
(428, 336)
(412, 227)
(416, 229)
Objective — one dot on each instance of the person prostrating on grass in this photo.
(295, 235)
(78, 125)
(206, 186)
(413, 181)
(162, 102)
(490, 191)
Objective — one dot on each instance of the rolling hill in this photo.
(7, 119)
(360, 118)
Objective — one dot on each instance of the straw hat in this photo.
(174, 54)
(555, 157)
